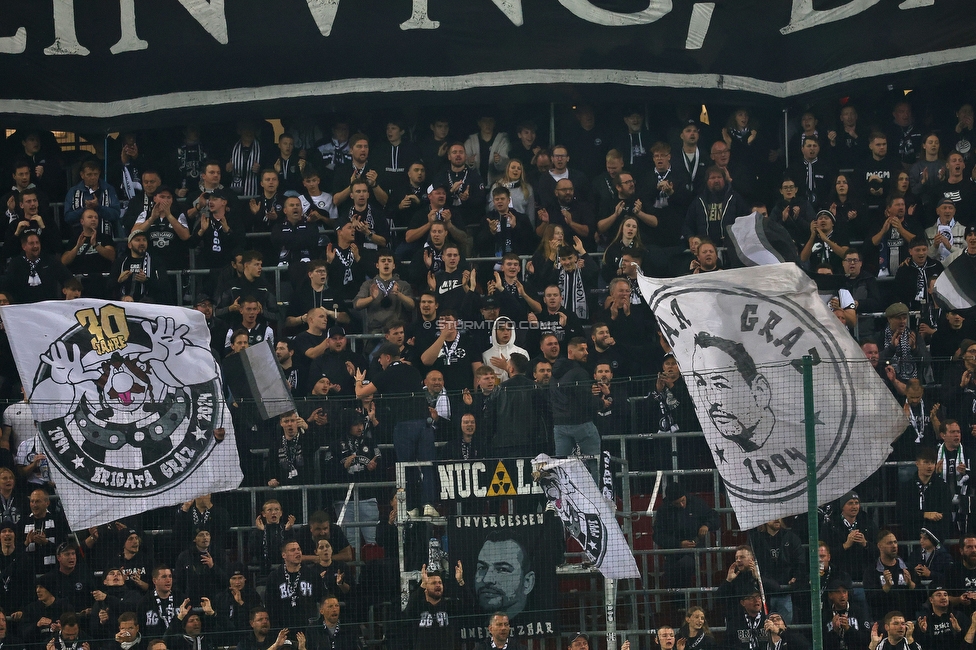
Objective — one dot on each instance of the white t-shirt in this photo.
(26, 451)
(20, 419)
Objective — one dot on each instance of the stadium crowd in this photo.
(494, 276)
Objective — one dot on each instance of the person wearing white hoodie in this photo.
(502, 347)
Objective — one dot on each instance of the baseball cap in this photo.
(137, 233)
(336, 330)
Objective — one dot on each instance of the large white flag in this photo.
(739, 337)
(128, 403)
(587, 515)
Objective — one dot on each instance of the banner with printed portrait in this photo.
(739, 337)
(510, 561)
(128, 403)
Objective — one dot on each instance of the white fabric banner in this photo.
(128, 403)
(739, 337)
(587, 515)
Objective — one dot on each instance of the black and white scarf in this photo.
(245, 181)
(811, 180)
(290, 457)
(436, 263)
(454, 177)
(919, 420)
(33, 278)
(347, 259)
(907, 368)
(661, 200)
(958, 482)
(574, 293)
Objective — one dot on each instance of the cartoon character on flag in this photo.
(129, 401)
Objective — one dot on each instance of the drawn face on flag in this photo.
(735, 395)
(504, 577)
(128, 402)
(740, 338)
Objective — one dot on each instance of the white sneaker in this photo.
(431, 511)
(413, 513)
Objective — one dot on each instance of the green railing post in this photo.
(813, 521)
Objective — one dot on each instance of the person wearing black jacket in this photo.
(684, 521)
(713, 210)
(139, 275)
(845, 624)
(326, 631)
(514, 424)
(433, 618)
(780, 554)
(575, 399)
(111, 598)
(218, 234)
(294, 239)
(201, 570)
(233, 605)
(938, 628)
(186, 630)
(925, 499)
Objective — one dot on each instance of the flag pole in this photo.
(813, 522)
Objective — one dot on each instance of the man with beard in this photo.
(465, 187)
(845, 625)
(939, 629)
(435, 619)
(713, 210)
(889, 583)
(260, 637)
(605, 350)
(358, 168)
(139, 276)
(960, 578)
(628, 204)
(564, 208)
(746, 422)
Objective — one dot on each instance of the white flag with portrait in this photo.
(739, 337)
(128, 403)
(588, 517)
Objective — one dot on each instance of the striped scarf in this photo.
(245, 181)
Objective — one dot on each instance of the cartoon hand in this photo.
(167, 339)
(66, 366)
